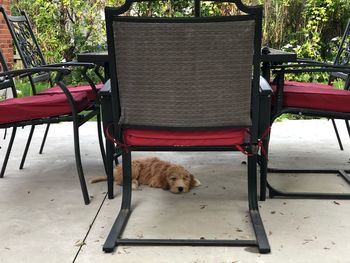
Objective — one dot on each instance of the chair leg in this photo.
(5, 133)
(261, 237)
(44, 138)
(337, 134)
(109, 168)
(263, 168)
(100, 140)
(9, 148)
(78, 163)
(24, 156)
(347, 126)
(125, 210)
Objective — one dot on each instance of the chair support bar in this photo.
(113, 239)
(273, 192)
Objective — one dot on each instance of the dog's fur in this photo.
(156, 173)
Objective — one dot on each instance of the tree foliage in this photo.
(66, 27)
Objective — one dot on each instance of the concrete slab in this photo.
(44, 218)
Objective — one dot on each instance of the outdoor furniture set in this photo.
(187, 84)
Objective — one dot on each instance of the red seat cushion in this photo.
(74, 89)
(223, 137)
(315, 96)
(36, 107)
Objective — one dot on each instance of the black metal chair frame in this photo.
(74, 117)
(339, 69)
(32, 56)
(108, 104)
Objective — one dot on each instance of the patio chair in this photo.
(311, 99)
(35, 110)
(32, 56)
(183, 84)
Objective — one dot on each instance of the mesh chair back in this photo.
(185, 74)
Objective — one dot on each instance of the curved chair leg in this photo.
(78, 163)
(100, 140)
(337, 134)
(24, 156)
(44, 138)
(260, 233)
(125, 210)
(9, 148)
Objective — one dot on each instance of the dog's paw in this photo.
(196, 182)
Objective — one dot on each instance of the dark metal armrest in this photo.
(71, 64)
(312, 67)
(106, 89)
(265, 88)
(30, 71)
(265, 92)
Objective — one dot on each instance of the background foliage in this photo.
(311, 28)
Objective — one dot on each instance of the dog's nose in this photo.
(180, 189)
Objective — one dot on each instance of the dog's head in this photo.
(178, 180)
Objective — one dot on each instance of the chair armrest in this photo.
(30, 71)
(71, 64)
(265, 93)
(265, 88)
(106, 89)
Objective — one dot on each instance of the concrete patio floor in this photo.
(43, 217)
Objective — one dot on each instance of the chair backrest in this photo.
(26, 43)
(185, 73)
(343, 57)
(6, 83)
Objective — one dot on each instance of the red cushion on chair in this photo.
(307, 84)
(74, 89)
(315, 96)
(224, 137)
(36, 107)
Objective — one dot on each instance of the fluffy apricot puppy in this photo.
(156, 173)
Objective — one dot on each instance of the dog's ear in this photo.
(164, 182)
(194, 181)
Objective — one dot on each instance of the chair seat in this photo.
(315, 96)
(36, 107)
(223, 137)
(74, 89)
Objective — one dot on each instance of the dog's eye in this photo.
(173, 178)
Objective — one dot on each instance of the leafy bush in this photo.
(311, 28)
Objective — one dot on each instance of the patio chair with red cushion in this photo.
(31, 56)
(184, 84)
(49, 108)
(310, 99)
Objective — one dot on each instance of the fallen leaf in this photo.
(335, 202)
(273, 212)
(202, 206)
(79, 243)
